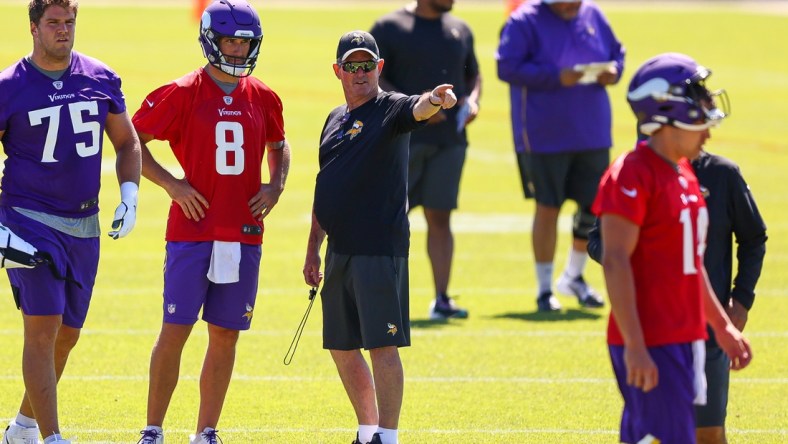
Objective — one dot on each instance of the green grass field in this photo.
(505, 375)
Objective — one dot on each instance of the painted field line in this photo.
(416, 332)
(409, 379)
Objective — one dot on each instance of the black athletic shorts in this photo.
(365, 302)
(717, 379)
(558, 177)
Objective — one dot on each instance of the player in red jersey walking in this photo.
(654, 222)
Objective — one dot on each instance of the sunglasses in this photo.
(352, 67)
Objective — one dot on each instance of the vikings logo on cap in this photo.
(357, 41)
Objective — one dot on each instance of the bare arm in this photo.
(473, 99)
(441, 97)
(278, 154)
(127, 147)
(312, 273)
(180, 191)
(730, 339)
(619, 238)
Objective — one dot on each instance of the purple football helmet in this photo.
(230, 18)
(670, 89)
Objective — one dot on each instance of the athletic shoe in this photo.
(546, 302)
(443, 307)
(356, 441)
(582, 291)
(151, 437)
(17, 434)
(376, 439)
(208, 436)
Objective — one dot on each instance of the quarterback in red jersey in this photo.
(654, 221)
(220, 123)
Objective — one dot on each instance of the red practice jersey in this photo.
(665, 201)
(219, 140)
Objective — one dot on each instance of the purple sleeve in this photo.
(617, 50)
(515, 56)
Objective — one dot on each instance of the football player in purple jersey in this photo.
(55, 105)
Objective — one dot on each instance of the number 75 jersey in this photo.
(665, 201)
(53, 135)
(219, 140)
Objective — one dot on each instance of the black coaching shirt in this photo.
(361, 189)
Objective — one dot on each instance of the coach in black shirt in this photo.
(732, 213)
(361, 204)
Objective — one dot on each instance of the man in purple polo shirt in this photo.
(55, 105)
(558, 56)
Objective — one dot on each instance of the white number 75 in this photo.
(77, 123)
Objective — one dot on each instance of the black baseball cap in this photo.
(356, 41)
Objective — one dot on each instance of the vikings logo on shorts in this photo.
(355, 130)
(171, 308)
(249, 313)
(392, 329)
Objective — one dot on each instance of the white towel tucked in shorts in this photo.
(225, 262)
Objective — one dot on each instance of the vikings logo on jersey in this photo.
(249, 313)
(355, 130)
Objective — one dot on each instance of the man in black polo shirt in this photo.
(361, 204)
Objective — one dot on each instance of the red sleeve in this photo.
(158, 113)
(275, 124)
(624, 190)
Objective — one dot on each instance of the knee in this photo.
(385, 356)
(582, 223)
(222, 337)
(711, 435)
(67, 338)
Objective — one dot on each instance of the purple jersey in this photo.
(54, 134)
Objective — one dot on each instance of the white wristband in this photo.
(128, 192)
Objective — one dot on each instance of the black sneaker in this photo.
(443, 307)
(546, 302)
(579, 289)
(356, 441)
(376, 439)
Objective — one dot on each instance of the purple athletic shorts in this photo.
(38, 291)
(666, 412)
(187, 288)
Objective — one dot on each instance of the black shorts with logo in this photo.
(365, 302)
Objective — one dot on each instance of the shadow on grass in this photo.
(563, 315)
(430, 324)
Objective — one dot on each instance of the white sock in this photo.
(25, 421)
(544, 275)
(576, 263)
(365, 432)
(156, 428)
(388, 436)
(53, 438)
